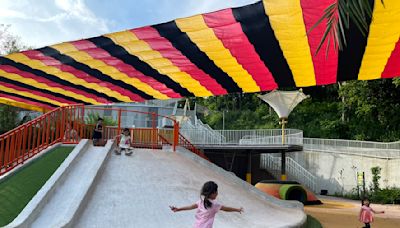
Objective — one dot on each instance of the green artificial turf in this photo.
(312, 222)
(18, 189)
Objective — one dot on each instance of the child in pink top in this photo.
(366, 215)
(207, 207)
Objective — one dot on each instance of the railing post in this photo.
(62, 125)
(83, 125)
(176, 135)
(119, 121)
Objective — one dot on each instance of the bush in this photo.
(386, 196)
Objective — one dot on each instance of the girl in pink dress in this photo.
(366, 215)
(207, 207)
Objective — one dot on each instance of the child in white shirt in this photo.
(124, 143)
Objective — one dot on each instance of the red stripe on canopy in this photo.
(100, 54)
(33, 103)
(392, 68)
(168, 51)
(13, 70)
(38, 93)
(230, 32)
(49, 61)
(325, 63)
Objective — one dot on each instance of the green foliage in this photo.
(386, 196)
(241, 111)
(376, 176)
(9, 43)
(92, 118)
(8, 118)
(371, 109)
(339, 16)
(312, 222)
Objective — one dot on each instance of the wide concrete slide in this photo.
(136, 191)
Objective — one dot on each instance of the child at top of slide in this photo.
(124, 143)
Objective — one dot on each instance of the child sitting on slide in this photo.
(124, 143)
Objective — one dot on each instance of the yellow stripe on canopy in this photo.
(11, 102)
(382, 39)
(36, 64)
(31, 95)
(286, 20)
(83, 57)
(144, 52)
(34, 83)
(206, 40)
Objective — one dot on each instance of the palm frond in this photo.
(339, 16)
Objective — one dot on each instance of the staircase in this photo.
(294, 170)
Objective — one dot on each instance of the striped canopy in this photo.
(257, 47)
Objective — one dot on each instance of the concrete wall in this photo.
(337, 172)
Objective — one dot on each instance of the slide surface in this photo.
(135, 191)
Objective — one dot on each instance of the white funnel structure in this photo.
(283, 102)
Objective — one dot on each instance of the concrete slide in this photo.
(135, 191)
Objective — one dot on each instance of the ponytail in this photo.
(207, 203)
(208, 188)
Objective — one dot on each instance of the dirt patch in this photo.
(339, 213)
(336, 220)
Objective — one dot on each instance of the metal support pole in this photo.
(223, 119)
(363, 175)
(283, 166)
(283, 122)
(248, 174)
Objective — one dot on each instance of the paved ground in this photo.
(343, 213)
(136, 192)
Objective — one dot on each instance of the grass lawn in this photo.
(312, 222)
(18, 189)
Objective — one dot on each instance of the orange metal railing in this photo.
(25, 141)
(69, 124)
(189, 146)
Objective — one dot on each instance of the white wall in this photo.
(327, 166)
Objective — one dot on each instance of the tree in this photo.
(342, 14)
(9, 43)
(371, 109)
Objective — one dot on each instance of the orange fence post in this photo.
(119, 121)
(154, 130)
(82, 125)
(25, 150)
(2, 153)
(19, 145)
(176, 136)
(63, 111)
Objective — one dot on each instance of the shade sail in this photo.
(257, 47)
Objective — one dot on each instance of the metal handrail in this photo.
(353, 147)
(353, 143)
(294, 170)
(256, 136)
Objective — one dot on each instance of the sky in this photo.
(40, 23)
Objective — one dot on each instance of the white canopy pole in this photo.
(283, 102)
